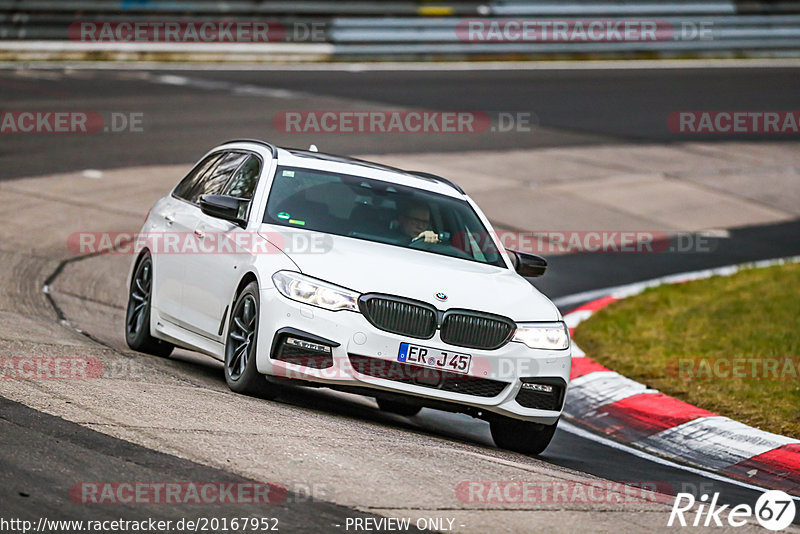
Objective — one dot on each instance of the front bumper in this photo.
(358, 341)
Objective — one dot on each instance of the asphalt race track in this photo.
(187, 112)
(79, 452)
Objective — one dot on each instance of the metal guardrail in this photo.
(605, 8)
(446, 29)
(409, 28)
(219, 7)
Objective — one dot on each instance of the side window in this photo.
(243, 183)
(184, 188)
(213, 182)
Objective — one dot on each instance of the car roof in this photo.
(294, 157)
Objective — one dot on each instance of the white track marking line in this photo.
(715, 442)
(577, 431)
(627, 290)
(473, 66)
(93, 174)
(216, 85)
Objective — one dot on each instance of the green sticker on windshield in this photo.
(283, 215)
(295, 221)
(289, 174)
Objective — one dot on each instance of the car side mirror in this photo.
(224, 207)
(526, 264)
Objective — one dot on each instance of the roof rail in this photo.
(438, 178)
(271, 147)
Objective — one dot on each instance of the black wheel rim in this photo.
(241, 336)
(139, 300)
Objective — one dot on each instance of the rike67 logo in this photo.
(774, 510)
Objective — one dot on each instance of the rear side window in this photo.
(200, 171)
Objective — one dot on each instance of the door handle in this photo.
(170, 219)
(199, 233)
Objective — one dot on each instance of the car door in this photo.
(174, 217)
(214, 270)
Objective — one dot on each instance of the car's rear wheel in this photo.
(137, 316)
(399, 408)
(521, 436)
(240, 347)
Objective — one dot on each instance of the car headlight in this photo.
(553, 336)
(315, 292)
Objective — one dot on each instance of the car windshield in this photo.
(383, 212)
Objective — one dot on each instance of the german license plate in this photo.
(445, 360)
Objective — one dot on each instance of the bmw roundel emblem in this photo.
(441, 296)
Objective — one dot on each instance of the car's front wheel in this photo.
(240, 347)
(137, 315)
(521, 436)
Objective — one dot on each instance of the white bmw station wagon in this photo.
(294, 266)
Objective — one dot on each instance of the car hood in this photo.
(369, 267)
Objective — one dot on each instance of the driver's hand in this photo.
(429, 235)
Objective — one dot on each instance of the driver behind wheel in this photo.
(414, 222)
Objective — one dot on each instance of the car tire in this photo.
(399, 408)
(137, 314)
(521, 436)
(241, 373)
